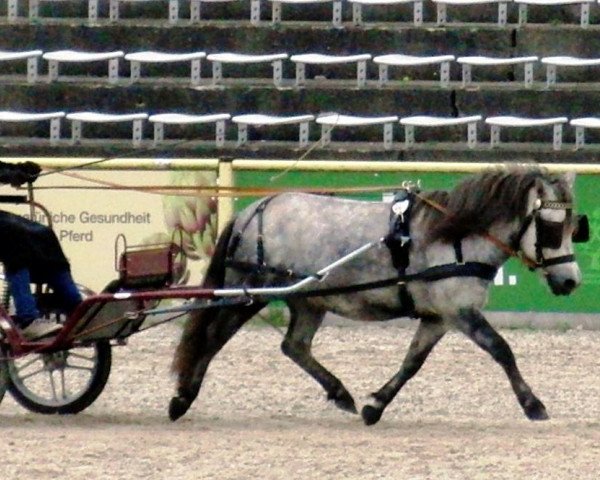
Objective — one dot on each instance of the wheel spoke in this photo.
(89, 358)
(79, 367)
(29, 375)
(63, 383)
(52, 386)
(25, 364)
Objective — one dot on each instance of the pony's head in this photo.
(530, 208)
(549, 230)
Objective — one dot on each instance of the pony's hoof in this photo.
(178, 407)
(536, 411)
(344, 401)
(371, 414)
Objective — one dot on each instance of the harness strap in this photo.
(557, 260)
(235, 239)
(484, 271)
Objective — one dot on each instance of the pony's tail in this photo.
(193, 338)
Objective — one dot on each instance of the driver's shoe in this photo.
(40, 328)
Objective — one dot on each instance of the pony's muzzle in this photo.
(561, 285)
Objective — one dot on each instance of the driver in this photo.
(30, 253)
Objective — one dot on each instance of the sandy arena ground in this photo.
(260, 417)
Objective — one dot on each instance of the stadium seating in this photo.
(54, 117)
(508, 121)
(277, 7)
(217, 59)
(469, 62)
(172, 14)
(584, 18)
(138, 58)
(327, 60)
(332, 121)
(72, 56)
(398, 60)
(162, 119)
(32, 57)
(34, 9)
(78, 118)
(580, 125)
(430, 121)
(261, 120)
(565, 61)
(441, 6)
(358, 6)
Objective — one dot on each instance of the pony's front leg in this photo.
(429, 332)
(304, 323)
(473, 324)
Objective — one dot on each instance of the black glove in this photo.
(30, 170)
(19, 173)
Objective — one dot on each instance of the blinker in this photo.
(581, 234)
(549, 234)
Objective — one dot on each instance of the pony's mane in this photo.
(486, 198)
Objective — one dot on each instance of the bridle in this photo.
(548, 234)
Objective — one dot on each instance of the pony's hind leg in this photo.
(204, 335)
(429, 332)
(475, 326)
(304, 323)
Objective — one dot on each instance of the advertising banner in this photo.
(89, 209)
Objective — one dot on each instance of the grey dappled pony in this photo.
(524, 208)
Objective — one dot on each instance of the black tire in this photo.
(37, 390)
(3, 378)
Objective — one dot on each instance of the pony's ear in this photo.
(569, 177)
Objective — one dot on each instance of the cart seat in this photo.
(146, 266)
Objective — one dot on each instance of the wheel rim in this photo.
(55, 379)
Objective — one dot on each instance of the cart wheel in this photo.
(64, 382)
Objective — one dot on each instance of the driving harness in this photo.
(398, 240)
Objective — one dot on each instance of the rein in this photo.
(505, 247)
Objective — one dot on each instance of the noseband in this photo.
(548, 234)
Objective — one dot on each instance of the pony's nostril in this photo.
(569, 284)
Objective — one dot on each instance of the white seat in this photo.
(217, 59)
(336, 17)
(54, 117)
(400, 60)
(162, 119)
(468, 62)
(74, 56)
(441, 5)
(565, 61)
(34, 8)
(580, 125)
(150, 56)
(196, 7)
(430, 121)
(584, 18)
(259, 120)
(522, 122)
(78, 118)
(357, 7)
(331, 120)
(321, 59)
(31, 56)
(173, 11)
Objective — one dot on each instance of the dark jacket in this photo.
(24, 243)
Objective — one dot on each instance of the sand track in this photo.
(259, 416)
